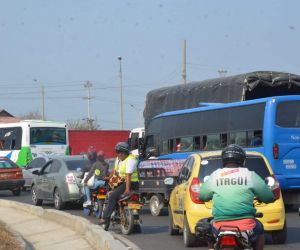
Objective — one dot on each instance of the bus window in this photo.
(212, 142)
(254, 138)
(223, 140)
(165, 147)
(197, 143)
(184, 144)
(239, 138)
(288, 114)
(170, 146)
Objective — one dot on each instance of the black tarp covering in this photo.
(241, 87)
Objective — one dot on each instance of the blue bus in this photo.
(267, 125)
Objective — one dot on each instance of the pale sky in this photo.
(63, 43)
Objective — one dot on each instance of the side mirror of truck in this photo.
(151, 152)
(169, 181)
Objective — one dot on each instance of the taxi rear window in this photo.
(75, 164)
(253, 163)
(6, 165)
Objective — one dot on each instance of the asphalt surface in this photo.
(155, 229)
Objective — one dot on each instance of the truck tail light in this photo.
(194, 191)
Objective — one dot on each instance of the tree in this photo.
(83, 124)
(32, 115)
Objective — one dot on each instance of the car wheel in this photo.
(156, 205)
(17, 191)
(279, 236)
(58, 202)
(189, 239)
(35, 200)
(172, 229)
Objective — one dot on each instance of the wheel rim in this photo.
(56, 198)
(33, 195)
(155, 205)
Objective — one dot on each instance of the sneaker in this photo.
(87, 204)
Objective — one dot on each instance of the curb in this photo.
(93, 234)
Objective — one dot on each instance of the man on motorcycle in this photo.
(99, 170)
(233, 198)
(125, 168)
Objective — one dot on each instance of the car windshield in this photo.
(76, 164)
(253, 163)
(6, 164)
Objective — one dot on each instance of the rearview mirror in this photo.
(205, 178)
(36, 172)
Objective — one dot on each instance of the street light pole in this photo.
(139, 116)
(121, 93)
(88, 85)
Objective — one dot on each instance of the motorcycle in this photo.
(127, 214)
(98, 202)
(228, 237)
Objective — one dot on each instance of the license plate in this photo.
(101, 196)
(5, 175)
(134, 206)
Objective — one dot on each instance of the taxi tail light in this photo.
(194, 191)
(276, 188)
(70, 179)
(228, 241)
(19, 174)
(275, 151)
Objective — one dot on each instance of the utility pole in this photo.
(43, 103)
(42, 100)
(121, 93)
(222, 72)
(88, 86)
(184, 63)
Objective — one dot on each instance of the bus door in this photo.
(286, 144)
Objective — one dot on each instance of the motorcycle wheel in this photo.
(127, 221)
(99, 211)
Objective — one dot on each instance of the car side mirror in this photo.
(36, 172)
(169, 181)
(270, 181)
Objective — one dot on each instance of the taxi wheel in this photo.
(279, 237)
(189, 239)
(17, 191)
(156, 205)
(58, 202)
(172, 229)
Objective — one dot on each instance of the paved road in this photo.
(155, 229)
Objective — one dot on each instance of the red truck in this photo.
(80, 140)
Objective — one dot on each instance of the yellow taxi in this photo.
(185, 208)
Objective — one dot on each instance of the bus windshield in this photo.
(47, 135)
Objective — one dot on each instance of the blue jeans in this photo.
(86, 189)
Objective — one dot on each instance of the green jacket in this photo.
(232, 191)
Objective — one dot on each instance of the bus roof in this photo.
(34, 123)
(230, 105)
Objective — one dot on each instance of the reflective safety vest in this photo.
(122, 170)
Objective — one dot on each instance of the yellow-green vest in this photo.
(122, 170)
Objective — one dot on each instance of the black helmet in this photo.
(233, 154)
(122, 147)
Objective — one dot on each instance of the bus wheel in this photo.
(279, 236)
(156, 205)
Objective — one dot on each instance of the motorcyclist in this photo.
(233, 199)
(92, 156)
(99, 170)
(126, 168)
